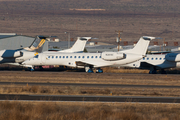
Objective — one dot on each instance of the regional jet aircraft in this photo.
(89, 61)
(157, 62)
(20, 55)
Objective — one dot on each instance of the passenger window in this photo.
(159, 58)
(156, 58)
(163, 58)
(79, 56)
(66, 56)
(70, 56)
(59, 56)
(91, 56)
(152, 58)
(87, 56)
(96, 56)
(52, 56)
(63, 56)
(56, 56)
(99, 56)
(49, 56)
(147, 58)
(74, 56)
(143, 58)
(82, 56)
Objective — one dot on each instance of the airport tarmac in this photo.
(77, 98)
(88, 85)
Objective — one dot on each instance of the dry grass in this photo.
(76, 90)
(89, 111)
(81, 77)
(116, 70)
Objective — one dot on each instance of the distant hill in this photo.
(95, 18)
(160, 6)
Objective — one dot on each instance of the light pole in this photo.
(68, 38)
(118, 38)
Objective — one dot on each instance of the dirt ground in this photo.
(134, 18)
(81, 77)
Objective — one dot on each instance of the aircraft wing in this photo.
(145, 65)
(92, 63)
(79, 63)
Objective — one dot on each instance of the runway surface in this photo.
(88, 85)
(90, 98)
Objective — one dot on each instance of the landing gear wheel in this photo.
(153, 72)
(90, 71)
(41, 68)
(163, 72)
(99, 71)
(31, 69)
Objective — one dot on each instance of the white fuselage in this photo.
(14, 56)
(70, 59)
(158, 61)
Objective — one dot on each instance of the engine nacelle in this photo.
(113, 56)
(11, 54)
(173, 57)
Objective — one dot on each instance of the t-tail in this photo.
(37, 44)
(78, 46)
(142, 46)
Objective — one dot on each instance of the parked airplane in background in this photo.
(78, 46)
(22, 54)
(157, 62)
(89, 61)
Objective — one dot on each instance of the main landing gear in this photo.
(152, 72)
(89, 69)
(162, 71)
(99, 70)
(31, 69)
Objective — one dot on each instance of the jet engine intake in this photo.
(173, 57)
(110, 56)
(12, 54)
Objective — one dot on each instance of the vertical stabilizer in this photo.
(37, 44)
(142, 46)
(78, 46)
